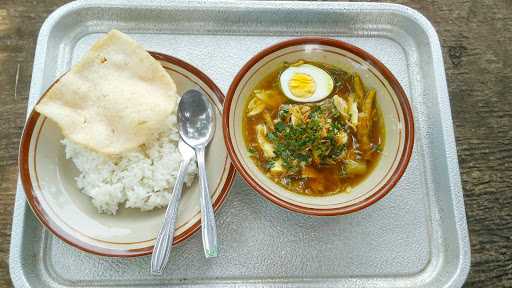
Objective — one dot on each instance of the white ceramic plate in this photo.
(48, 179)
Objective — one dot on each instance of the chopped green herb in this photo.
(313, 140)
(280, 126)
(284, 113)
(376, 148)
(269, 164)
(342, 172)
(272, 136)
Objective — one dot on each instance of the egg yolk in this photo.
(302, 85)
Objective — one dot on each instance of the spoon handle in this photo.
(208, 229)
(163, 243)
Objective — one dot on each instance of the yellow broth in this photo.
(313, 178)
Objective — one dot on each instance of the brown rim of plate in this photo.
(371, 60)
(23, 163)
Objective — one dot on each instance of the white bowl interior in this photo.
(55, 188)
(386, 101)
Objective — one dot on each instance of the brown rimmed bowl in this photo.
(50, 188)
(391, 99)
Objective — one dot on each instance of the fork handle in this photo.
(208, 229)
(163, 243)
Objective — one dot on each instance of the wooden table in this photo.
(477, 43)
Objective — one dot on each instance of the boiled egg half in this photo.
(306, 83)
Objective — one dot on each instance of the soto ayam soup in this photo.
(313, 128)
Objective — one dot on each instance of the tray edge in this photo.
(19, 214)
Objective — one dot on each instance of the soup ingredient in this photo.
(358, 89)
(142, 178)
(262, 98)
(353, 167)
(115, 99)
(266, 146)
(315, 148)
(306, 83)
(365, 124)
(317, 139)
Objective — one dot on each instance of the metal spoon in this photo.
(197, 124)
(163, 243)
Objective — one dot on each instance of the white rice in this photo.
(142, 179)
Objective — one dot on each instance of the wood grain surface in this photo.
(477, 44)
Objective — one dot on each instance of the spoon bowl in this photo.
(195, 119)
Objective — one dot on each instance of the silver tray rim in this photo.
(18, 272)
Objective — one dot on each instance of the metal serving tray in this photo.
(415, 237)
